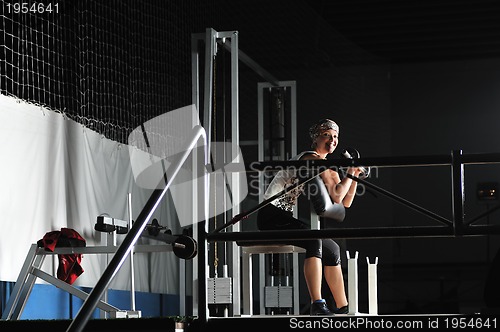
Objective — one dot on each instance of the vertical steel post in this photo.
(458, 200)
(235, 178)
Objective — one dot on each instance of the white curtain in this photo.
(57, 173)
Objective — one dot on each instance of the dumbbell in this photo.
(352, 153)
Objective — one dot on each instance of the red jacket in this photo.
(69, 264)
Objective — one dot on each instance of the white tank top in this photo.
(282, 180)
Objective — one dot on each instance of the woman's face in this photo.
(327, 141)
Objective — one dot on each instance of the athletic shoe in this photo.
(319, 308)
(342, 310)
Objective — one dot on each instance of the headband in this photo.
(321, 126)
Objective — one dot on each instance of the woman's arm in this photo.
(341, 191)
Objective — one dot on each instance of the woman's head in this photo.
(321, 127)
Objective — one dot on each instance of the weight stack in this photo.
(219, 291)
(279, 296)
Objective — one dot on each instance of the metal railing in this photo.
(135, 232)
(456, 226)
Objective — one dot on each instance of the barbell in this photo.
(183, 246)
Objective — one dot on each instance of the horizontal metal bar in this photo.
(352, 233)
(480, 158)
(398, 161)
(409, 161)
(140, 248)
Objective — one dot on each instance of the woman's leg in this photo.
(271, 217)
(313, 275)
(333, 272)
(335, 280)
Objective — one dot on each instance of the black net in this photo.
(109, 65)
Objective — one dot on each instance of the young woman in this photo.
(322, 255)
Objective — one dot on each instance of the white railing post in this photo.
(372, 287)
(352, 274)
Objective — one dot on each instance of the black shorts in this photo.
(271, 217)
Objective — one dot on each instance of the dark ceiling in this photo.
(405, 31)
(285, 34)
